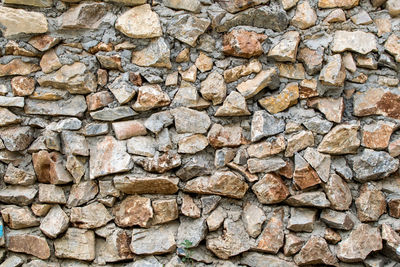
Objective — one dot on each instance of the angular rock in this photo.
(74, 106)
(142, 146)
(223, 183)
(293, 244)
(160, 163)
(129, 184)
(302, 219)
(78, 244)
(74, 144)
(76, 167)
(157, 121)
(241, 43)
(50, 62)
(372, 165)
(291, 71)
(83, 16)
(203, 62)
(165, 210)
(263, 125)
(333, 73)
(265, 165)
(320, 162)
(371, 204)
(115, 247)
(271, 238)
(113, 114)
(49, 168)
(337, 220)
(126, 129)
(18, 195)
(133, 210)
(55, 222)
(139, 22)
(356, 41)
(346, 4)
(377, 135)
(315, 251)
(213, 88)
(298, 142)
(7, 117)
(362, 241)
(234, 74)
(253, 218)
(192, 6)
(187, 28)
(392, 46)
(190, 121)
(98, 100)
(82, 193)
(225, 136)
(19, 218)
(265, 78)
(28, 22)
(17, 67)
(270, 189)
(234, 105)
(342, 139)
(29, 244)
(305, 16)
(16, 138)
(254, 259)
(192, 144)
(286, 49)
(12, 101)
(156, 54)
(332, 108)
(94, 215)
(52, 194)
(150, 97)
(267, 148)
(193, 230)
(309, 199)
(188, 96)
(304, 176)
(18, 176)
(394, 205)
(43, 42)
(22, 86)
(216, 219)
(122, 90)
(312, 59)
(338, 193)
(285, 99)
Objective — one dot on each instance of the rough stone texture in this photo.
(133, 210)
(76, 244)
(371, 204)
(240, 43)
(315, 251)
(342, 139)
(271, 238)
(270, 189)
(29, 244)
(28, 22)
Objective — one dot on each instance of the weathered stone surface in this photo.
(393, 8)
(156, 54)
(320, 162)
(253, 217)
(315, 251)
(291, 71)
(115, 248)
(292, 245)
(333, 73)
(76, 167)
(19, 218)
(377, 135)
(18, 176)
(149, 97)
(155, 240)
(126, 129)
(337, 220)
(267, 148)
(160, 163)
(189, 5)
(113, 114)
(187, 28)
(225, 136)
(28, 22)
(356, 41)
(139, 22)
(332, 108)
(130, 184)
(36, 3)
(22, 86)
(83, 16)
(216, 219)
(142, 146)
(44, 42)
(213, 88)
(265, 78)
(270, 189)
(91, 216)
(190, 121)
(16, 138)
(108, 156)
(19, 195)
(98, 100)
(393, 202)
(233, 241)
(133, 210)
(265, 165)
(7, 117)
(254, 259)
(17, 67)
(75, 78)
(76, 244)
(346, 4)
(189, 208)
(224, 183)
(55, 222)
(193, 230)
(372, 165)
(392, 46)
(164, 210)
(338, 193)
(342, 139)
(362, 241)
(241, 43)
(371, 204)
(305, 16)
(285, 99)
(74, 106)
(298, 142)
(52, 194)
(50, 62)
(304, 176)
(302, 219)
(234, 105)
(271, 238)
(263, 125)
(192, 144)
(234, 74)
(312, 59)
(309, 199)
(188, 96)
(286, 49)
(29, 244)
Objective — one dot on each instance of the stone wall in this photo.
(193, 133)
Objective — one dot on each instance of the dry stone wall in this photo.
(199, 133)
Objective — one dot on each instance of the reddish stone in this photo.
(241, 43)
(135, 78)
(127, 129)
(22, 86)
(394, 206)
(371, 204)
(270, 189)
(98, 100)
(133, 210)
(308, 88)
(44, 42)
(225, 136)
(49, 168)
(377, 101)
(315, 251)
(29, 244)
(312, 59)
(102, 77)
(304, 175)
(332, 108)
(17, 67)
(377, 135)
(271, 238)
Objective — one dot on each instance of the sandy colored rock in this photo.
(337, 15)
(188, 96)
(291, 71)
(253, 218)
(187, 28)
(293, 244)
(55, 222)
(333, 73)
(356, 41)
(288, 4)
(190, 74)
(265, 78)
(156, 54)
(298, 142)
(213, 88)
(22, 86)
(223, 183)
(83, 16)
(203, 62)
(44, 42)
(225, 136)
(189, 5)
(165, 210)
(332, 108)
(192, 144)
(285, 99)
(50, 62)
(49, 168)
(234, 105)
(17, 67)
(189, 208)
(271, 238)
(91, 216)
(19, 218)
(133, 210)
(139, 22)
(7, 117)
(392, 46)
(346, 4)
(29, 244)
(315, 251)
(393, 7)
(130, 184)
(304, 176)
(267, 148)
(302, 219)
(338, 193)
(270, 189)
(126, 129)
(76, 244)
(377, 135)
(149, 97)
(371, 204)
(312, 59)
(342, 139)
(286, 49)
(28, 22)
(305, 16)
(241, 43)
(234, 74)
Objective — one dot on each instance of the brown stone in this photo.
(87, 15)
(394, 206)
(77, 244)
(183, 56)
(286, 49)
(371, 204)
(189, 208)
(305, 16)
(234, 6)
(253, 218)
(44, 42)
(203, 62)
(332, 108)
(50, 62)
(225, 136)
(234, 105)
(156, 54)
(224, 183)
(362, 241)
(338, 193)
(98, 100)
(315, 251)
(267, 148)
(102, 77)
(17, 67)
(293, 244)
(29, 244)
(127, 129)
(22, 86)
(342, 139)
(312, 59)
(298, 142)
(377, 135)
(308, 88)
(271, 238)
(150, 96)
(234, 74)
(392, 45)
(130, 184)
(19, 218)
(304, 176)
(270, 189)
(285, 99)
(337, 15)
(332, 236)
(110, 62)
(133, 210)
(192, 144)
(346, 4)
(16, 138)
(393, 7)
(165, 210)
(8, 118)
(49, 168)
(91, 216)
(291, 71)
(242, 43)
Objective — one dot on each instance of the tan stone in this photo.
(19, 218)
(331, 236)
(213, 88)
(225, 136)
(338, 193)
(165, 210)
(394, 206)
(298, 142)
(267, 148)
(285, 99)
(13, 48)
(50, 62)
(22, 86)
(253, 218)
(242, 43)
(376, 101)
(78, 244)
(17, 67)
(286, 49)
(189, 5)
(91, 216)
(49, 168)
(271, 238)
(111, 62)
(29, 244)
(377, 135)
(270, 189)
(223, 183)
(305, 16)
(86, 15)
(356, 41)
(192, 144)
(333, 73)
(342, 139)
(133, 210)
(346, 4)
(288, 4)
(337, 15)
(312, 59)
(393, 7)
(304, 176)
(384, 26)
(394, 148)
(98, 100)
(189, 208)
(392, 45)
(234, 105)
(234, 6)
(203, 62)
(28, 22)
(172, 79)
(188, 96)
(332, 108)
(371, 204)
(291, 71)
(150, 96)
(189, 74)
(293, 244)
(308, 88)
(263, 79)
(315, 251)
(44, 42)
(183, 56)
(156, 54)
(127, 129)
(216, 219)
(139, 22)
(234, 74)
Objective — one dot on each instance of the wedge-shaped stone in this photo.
(320, 162)
(264, 124)
(265, 78)
(286, 49)
(304, 176)
(337, 220)
(55, 222)
(130, 184)
(78, 244)
(270, 189)
(309, 199)
(271, 238)
(113, 114)
(338, 193)
(315, 251)
(342, 139)
(28, 22)
(225, 136)
(151, 96)
(371, 204)
(224, 183)
(8, 118)
(156, 54)
(346, 4)
(188, 96)
(356, 41)
(49, 168)
(29, 244)
(87, 15)
(189, 5)
(187, 28)
(109, 156)
(75, 106)
(139, 22)
(18, 195)
(285, 99)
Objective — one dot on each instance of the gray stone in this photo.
(82, 193)
(74, 144)
(309, 199)
(122, 89)
(193, 230)
(18, 176)
(95, 129)
(318, 125)
(74, 106)
(16, 138)
(157, 121)
(265, 165)
(263, 125)
(302, 219)
(255, 259)
(19, 195)
(7, 117)
(187, 28)
(19, 218)
(17, 101)
(190, 121)
(55, 222)
(337, 220)
(113, 114)
(142, 146)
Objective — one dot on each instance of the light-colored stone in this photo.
(346, 4)
(94, 215)
(371, 204)
(145, 185)
(29, 244)
(315, 251)
(305, 16)
(265, 78)
(270, 189)
(133, 210)
(242, 43)
(213, 88)
(304, 176)
(189, 5)
(19, 218)
(271, 146)
(253, 218)
(156, 54)
(286, 49)
(271, 238)
(187, 28)
(356, 41)
(302, 219)
(298, 142)
(190, 121)
(320, 162)
(342, 139)
(150, 97)
(55, 222)
(338, 193)
(285, 99)
(76, 244)
(17, 67)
